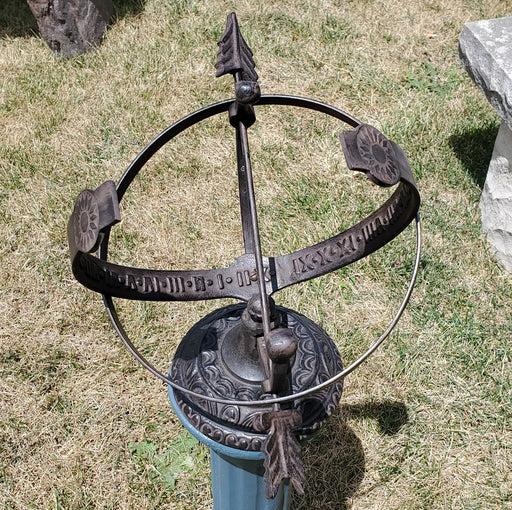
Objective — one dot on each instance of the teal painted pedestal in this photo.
(237, 475)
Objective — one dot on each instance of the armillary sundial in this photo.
(251, 379)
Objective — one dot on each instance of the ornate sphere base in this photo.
(217, 358)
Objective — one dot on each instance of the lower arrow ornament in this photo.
(283, 460)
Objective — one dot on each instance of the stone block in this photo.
(71, 27)
(496, 200)
(485, 50)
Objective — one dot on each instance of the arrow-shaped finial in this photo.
(234, 54)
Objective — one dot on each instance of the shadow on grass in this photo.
(474, 150)
(128, 7)
(391, 416)
(334, 459)
(17, 20)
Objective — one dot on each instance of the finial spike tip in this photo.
(234, 54)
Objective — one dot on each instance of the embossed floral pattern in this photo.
(86, 221)
(377, 151)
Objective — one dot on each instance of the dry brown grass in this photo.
(425, 423)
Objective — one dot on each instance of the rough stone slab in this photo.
(485, 50)
(496, 200)
(71, 27)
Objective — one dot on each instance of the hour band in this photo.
(365, 149)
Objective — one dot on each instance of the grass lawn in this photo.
(425, 423)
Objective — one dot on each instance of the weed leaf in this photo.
(166, 466)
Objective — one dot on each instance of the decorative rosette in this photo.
(86, 221)
(368, 150)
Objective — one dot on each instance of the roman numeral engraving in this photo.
(129, 281)
(346, 246)
(175, 284)
(199, 284)
(97, 272)
(371, 229)
(243, 278)
(150, 284)
(321, 257)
